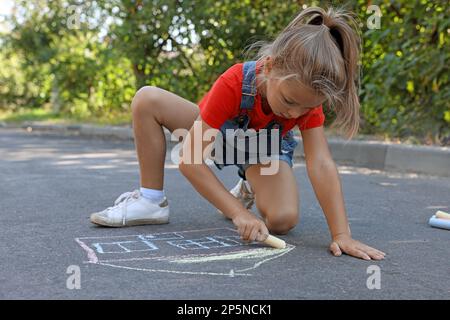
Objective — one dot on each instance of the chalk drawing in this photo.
(161, 236)
(244, 254)
(90, 253)
(215, 252)
(124, 246)
(205, 243)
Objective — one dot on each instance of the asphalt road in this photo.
(50, 184)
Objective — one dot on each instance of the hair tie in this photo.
(317, 20)
(338, 38)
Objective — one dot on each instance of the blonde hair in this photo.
(321, 50)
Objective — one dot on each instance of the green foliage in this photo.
(91, 79)
(406, 71)
(87, 58)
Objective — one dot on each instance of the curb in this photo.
(123, 133)
(389, 157)
(370, 154)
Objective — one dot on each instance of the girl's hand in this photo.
(250, 228)
(345, 244)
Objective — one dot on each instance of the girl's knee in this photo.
(282, 222)
(145, 99)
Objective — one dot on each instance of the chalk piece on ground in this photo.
(275, 242)
(442, 215)
(439, 223)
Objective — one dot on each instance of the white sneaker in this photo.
(243, 192)
(132, 209)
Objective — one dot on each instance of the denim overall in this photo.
(287, 143)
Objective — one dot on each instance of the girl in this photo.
(312, 61)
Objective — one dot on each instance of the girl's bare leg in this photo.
(276, 197)
(153, 108)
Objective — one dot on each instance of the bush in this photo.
(89, 73)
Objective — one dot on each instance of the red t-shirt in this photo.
(223, 102)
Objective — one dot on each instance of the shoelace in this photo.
(122, 200)
(124, 197)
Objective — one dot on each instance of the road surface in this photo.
(50, 184)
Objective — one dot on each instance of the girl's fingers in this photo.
(248, 231)
(365, 252)
(261, 236)
(382, 254)
(367, 248)
(374, 255)
(254, 234)
(335, 250)
(358, 253)
(263, 232)
(242, 231)
(360, 250)
(372, 252)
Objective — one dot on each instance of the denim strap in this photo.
(248, 85)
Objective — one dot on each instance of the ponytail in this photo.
(322, 49)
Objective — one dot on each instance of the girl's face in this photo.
(288, 98)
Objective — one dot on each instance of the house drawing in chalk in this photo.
(150, 242)
(217, 251)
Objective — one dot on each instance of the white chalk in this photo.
(439, 223)
(442, 215)
(275, 242)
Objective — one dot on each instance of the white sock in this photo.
(153, 195)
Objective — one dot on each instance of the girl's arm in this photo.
(193, 167)
(323, 173)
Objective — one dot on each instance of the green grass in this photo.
(28, 115)
(49, 117)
